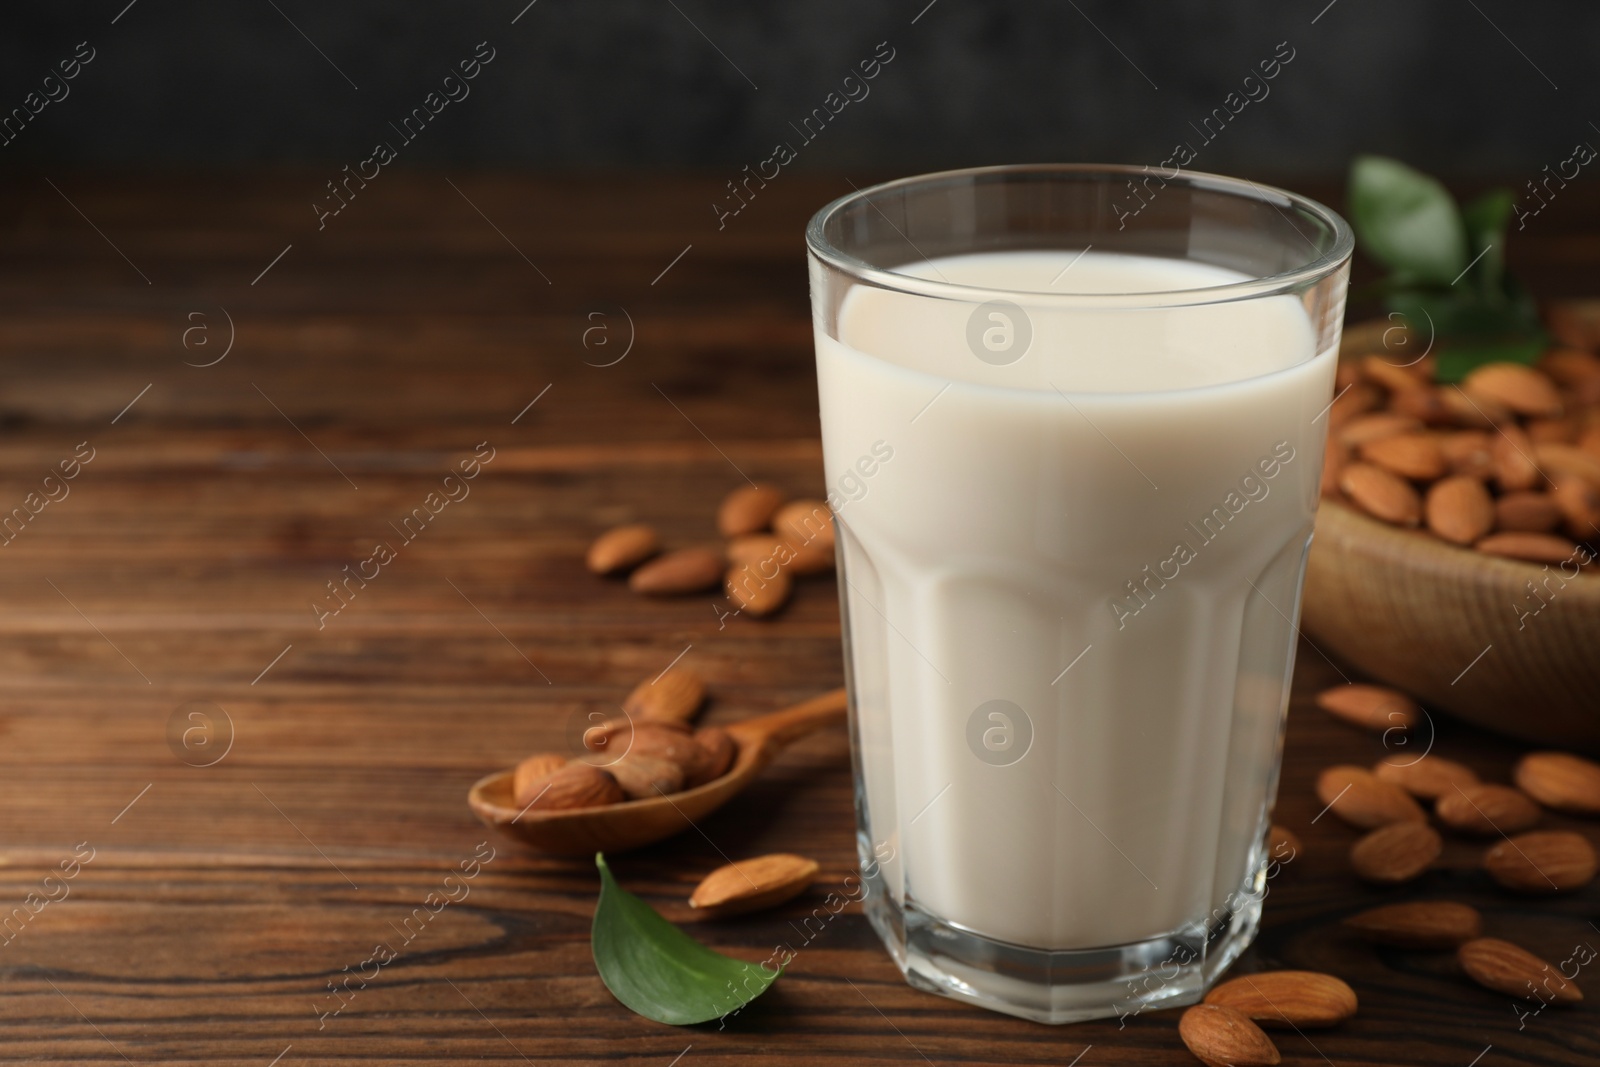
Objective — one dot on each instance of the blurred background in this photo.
(1466, 88)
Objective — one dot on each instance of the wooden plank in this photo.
(222, 903)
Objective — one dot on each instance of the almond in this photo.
(1560, 780)
(1409, 455)
(1424, 404)
(1545, 861)
(1570, 366)
(1282, 844)
(754, 592)
(688, 570)
(757, 548)
(576, 785)
(1395, 377)
(530, 775)
(747, 509)
(1371, 707)
(672, 696)
(1219, 1035)
(1396, 853)
(805, 522)
(1515, 386)
(1287, 998)
(1355, 795)
(642, 776)
(1514, 971)
(1465, 411)
(622, 548)
(812, 558)
(1468, 452)
(1568, 459)
(665, 739)
(752, 884)
(1333, 461)
(1552, 431)
(1514, 467)
(1368, 428)
(720, 751)
(1486, 809)
(1459, 509)
(1527, 511)
(1418, 924)
(1381, 494)
(1579, 503)
(1574, 322)
(1358, 399)
(1429, 777)
(1530, 547)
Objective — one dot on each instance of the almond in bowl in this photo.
(1472, 588)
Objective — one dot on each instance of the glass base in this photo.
(1118, 981)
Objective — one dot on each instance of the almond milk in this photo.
(1070, 595)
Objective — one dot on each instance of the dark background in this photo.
(1466, 88)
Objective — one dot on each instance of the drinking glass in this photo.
(1073, 420)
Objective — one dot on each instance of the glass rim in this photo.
(1309, 273)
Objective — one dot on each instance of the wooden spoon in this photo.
(615, 827)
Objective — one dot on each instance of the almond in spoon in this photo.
(1514, 971)
(1418, 924)
(531, 773)
(1545, 861)
(1220, 1035)
(1561, 781)
(719, 755)
(1287, 998)
(576, 785)
(752, 884)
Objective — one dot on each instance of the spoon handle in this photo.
(782, 727)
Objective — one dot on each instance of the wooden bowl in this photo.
(1456, 628)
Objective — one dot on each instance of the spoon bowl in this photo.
(632, 823)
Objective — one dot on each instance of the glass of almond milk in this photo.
(1073, 421)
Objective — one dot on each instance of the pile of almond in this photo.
(1508, 462)
(654, 750)
(769, 541)
(1399, 844)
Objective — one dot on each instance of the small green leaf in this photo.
(1486, 219)
(659, 971)
(1407, 220)
(1459, 358)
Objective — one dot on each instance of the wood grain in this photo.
(223, 902)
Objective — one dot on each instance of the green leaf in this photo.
(659, 971)
(1457, 359)
(1407, 220)
(1486, 219)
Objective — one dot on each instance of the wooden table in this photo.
(179, 575)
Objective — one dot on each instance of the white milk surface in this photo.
(1128, 503)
